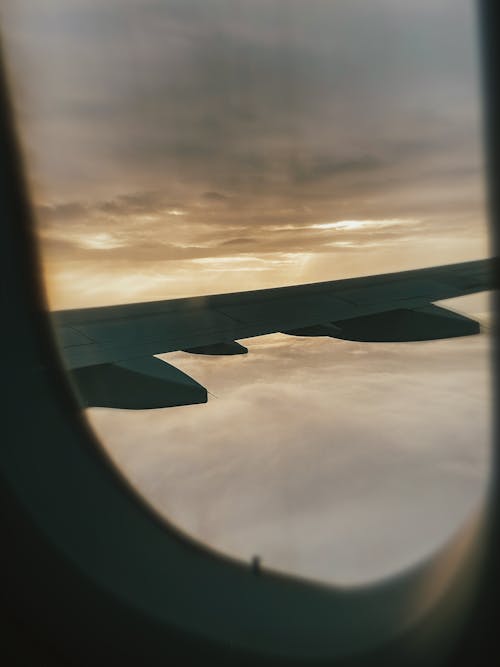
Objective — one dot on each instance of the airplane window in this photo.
(196, 147)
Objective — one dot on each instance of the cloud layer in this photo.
(163, 132)
(337, 461)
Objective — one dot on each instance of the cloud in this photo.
(200, 129)
(214, 196)
(323, 167)
(252, 101)
(329, 464)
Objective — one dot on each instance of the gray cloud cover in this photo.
(246, 116)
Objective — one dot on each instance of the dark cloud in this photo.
(67, 212)
(214, 196)
(241, 241)
(135, 202)
(323, 167)
(314, 104)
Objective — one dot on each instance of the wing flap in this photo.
(396, 326)
(218, 349)
(138, 384)
(403, 325)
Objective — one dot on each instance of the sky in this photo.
(189, 147)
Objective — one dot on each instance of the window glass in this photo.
(178, 148)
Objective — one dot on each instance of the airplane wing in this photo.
(109, 350)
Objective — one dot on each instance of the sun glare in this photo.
(361, 224)
(100, 241)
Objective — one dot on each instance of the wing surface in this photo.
(392, 306)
